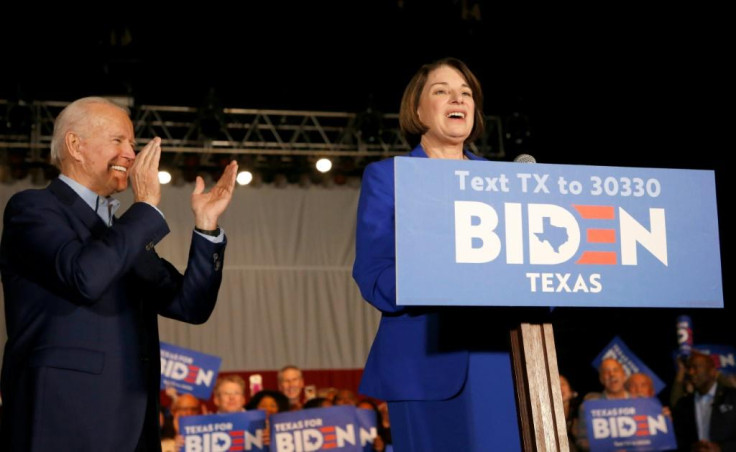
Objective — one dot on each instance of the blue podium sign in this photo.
(482, 233)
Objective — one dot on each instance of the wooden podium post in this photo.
(538, 395)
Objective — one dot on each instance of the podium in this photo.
(537, 382)
(481, 233)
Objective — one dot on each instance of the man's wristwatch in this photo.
(213, 232)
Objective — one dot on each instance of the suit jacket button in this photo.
(149, 246)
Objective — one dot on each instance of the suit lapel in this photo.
(719, 397)
(66, 195)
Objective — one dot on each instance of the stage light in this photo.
(323, 165)
(244, 177)
(164, 177)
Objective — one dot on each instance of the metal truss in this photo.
(254, 135)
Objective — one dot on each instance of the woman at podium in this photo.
(444, 371)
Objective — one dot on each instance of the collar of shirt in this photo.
(105, 207)
(605, 395)
(703, 410)
(710, 395)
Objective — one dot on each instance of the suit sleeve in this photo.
(374, 269)
(190, 297)
(51, 247)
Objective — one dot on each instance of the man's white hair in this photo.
(71, 115)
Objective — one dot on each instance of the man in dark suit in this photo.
(705, 420)
(83, 289)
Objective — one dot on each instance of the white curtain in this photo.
(287, 294)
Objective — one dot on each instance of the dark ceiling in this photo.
(637, 88)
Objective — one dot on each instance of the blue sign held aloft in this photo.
(188, 371)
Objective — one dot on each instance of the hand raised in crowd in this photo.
(208, 207)
(144, 173)
(266, 435)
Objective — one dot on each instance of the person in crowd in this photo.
(570, 403)
(329, 393)
(271, 402)
(385, 421)
(83, 288)
(168, 432)
(683, 386)
(640, 384)
(705, 420)
(291, 383)
(317, 402)
(229, 394)
(383, 437)
(346, 397)
(446, 383)
(183, 405)
(612, 376)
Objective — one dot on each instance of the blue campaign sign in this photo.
(223, 432)
(631, 363)
(343, 428)
(188, 371)
(481, 233)
(628, 424)
(724, 356)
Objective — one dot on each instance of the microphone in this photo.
(525, 158)
(684, 335)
